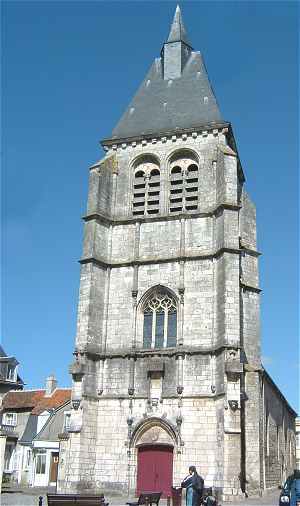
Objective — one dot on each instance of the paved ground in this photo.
(30, 497)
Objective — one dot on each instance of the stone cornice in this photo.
(211, 127)
(101, 218)
(163, 352)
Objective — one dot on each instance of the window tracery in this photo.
(160, 321)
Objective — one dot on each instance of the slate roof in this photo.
(178, 31)
(164, 105)
(30, 429)
(54, 425)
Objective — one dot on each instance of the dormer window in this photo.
(11, 372)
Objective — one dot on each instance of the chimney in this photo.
(51, 384)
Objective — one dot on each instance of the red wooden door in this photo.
(155, 469)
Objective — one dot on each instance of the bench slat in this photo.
(75, 500)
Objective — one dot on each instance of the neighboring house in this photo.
(23, 415)
(9, 378)
(298, 443)
(15, 413)
(46, 445)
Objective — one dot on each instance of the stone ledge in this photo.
(162, 217)
(163, 352)
(169, 133)
(101, 262)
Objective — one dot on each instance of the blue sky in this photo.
(69, 70)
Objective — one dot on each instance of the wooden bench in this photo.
(147, 498)
(76, 500)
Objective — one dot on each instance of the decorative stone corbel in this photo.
(129, 423)
(181, 294)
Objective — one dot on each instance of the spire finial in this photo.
(177, 31)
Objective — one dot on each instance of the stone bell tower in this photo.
(167, 353)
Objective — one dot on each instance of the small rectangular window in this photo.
(40, 463)
(159, 330)
(148, 330)
(10, 419)
(67, 421)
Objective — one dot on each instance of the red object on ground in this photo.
(155, 469)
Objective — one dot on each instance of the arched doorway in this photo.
(155, 469)
(154, 442)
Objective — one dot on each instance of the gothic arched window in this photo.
(183, 182)
(160, 320)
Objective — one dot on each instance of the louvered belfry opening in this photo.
(153, 192)
(139, 192)
(184, 179)
(146, 186)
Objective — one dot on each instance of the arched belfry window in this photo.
(160, 320)
(184, 179)
(146, 186)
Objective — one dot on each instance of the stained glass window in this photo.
(160, 321)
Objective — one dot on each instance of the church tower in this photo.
(167, 354)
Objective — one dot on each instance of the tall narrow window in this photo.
(191, 188)
(148, 318)
(176, 189)
(160, 321)
(184, 180)
(153, 192)
(139, 191)
(146, 186)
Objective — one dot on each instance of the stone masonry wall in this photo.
(196, 256)
(279, 436)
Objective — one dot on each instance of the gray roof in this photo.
(30, 430)
(177, 31)
(2, 352)
(54, 424)
(162, 104)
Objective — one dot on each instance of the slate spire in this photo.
(177, 50)
(175, 94)
(178, 31)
